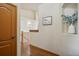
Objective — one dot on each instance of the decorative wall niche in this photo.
(70, 18)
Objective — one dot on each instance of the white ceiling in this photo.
(31, 6)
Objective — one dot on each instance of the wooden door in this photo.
(8, 30)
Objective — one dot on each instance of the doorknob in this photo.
(12, 37)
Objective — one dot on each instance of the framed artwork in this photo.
(47, 20)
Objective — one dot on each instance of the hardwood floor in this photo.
(35, 51)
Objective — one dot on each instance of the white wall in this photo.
(51, 37)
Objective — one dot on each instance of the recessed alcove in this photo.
(70, 18)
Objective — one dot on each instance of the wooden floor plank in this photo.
(35, 51)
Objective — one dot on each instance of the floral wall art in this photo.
(70, 19)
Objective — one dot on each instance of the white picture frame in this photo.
(47, 20)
